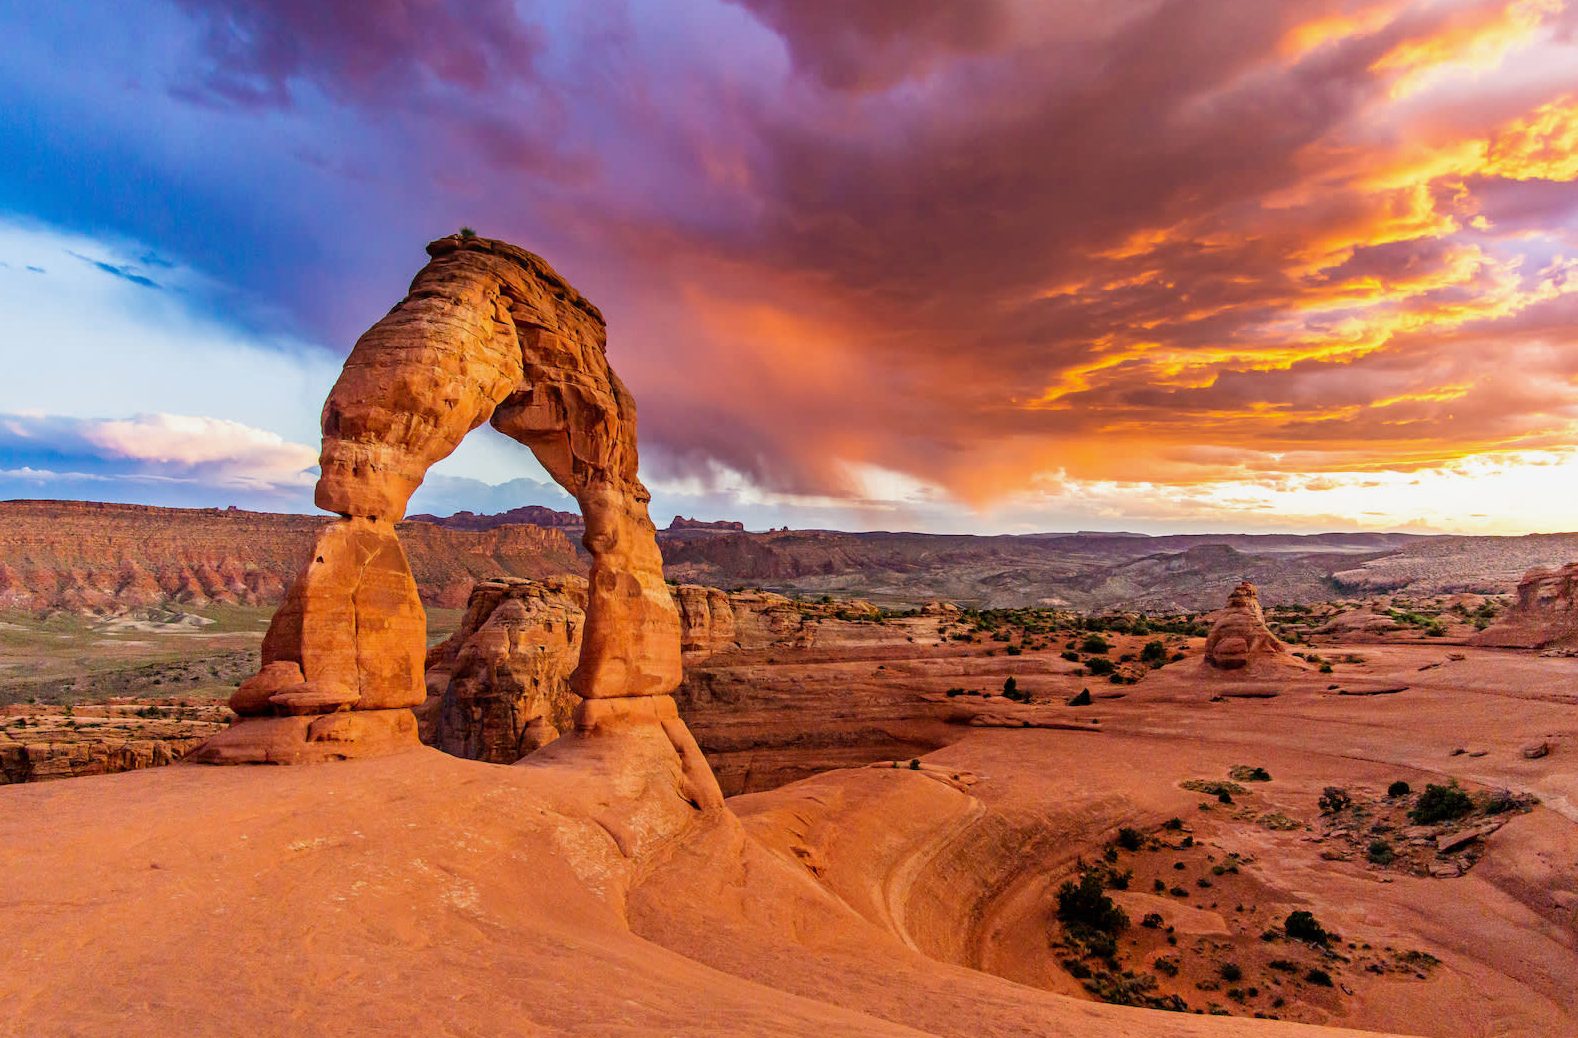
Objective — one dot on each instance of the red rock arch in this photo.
(488, 333)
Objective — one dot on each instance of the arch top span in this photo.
(488, 332)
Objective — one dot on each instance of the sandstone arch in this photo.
(487, 333)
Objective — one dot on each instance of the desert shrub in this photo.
(467, 232)
(1010, 686)
(1213, 787)
(1099, 665)
(1076, 969)
(1334, 799)
(1172, 825)
(1318, 977)
(1094, 643)
(914, 763)
(1071, 655)
(1013, 650)
(1440, 804)
(1284, 965)
(1303, 926)
(1154, 653)
(1380, 852)
(1081, 698)
(1130, 839)
(1246, 773)
(1324, 668)
(1166, 966)
(1398, 789)
(1152, 921)
(1083, 904)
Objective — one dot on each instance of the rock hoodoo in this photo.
(1544, 616)
(487, 333)
(499, 687)
(1239, 638)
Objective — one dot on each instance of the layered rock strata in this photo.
(1544, 614)
(1239, 639)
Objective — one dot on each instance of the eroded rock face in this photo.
(487, 333)
(1239, 638)
(499, 687)
(1545, 614)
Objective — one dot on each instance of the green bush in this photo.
(1303, 926)
(1380, 852)
(1094, 643)
(1130, 839)
(1099, 665)
(1440, 804)
(1154, 654)
(1070, 655)
(1083, 904)
(1318, 977)
(1398, 789)
(1231, 972)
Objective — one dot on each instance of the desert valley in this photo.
(1109, 785)
(897, 519)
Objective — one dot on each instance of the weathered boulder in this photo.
(1544, 615)
(499, 687)
(1239, 639)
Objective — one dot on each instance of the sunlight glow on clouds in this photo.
(1301, 262)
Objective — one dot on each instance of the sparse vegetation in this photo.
(1441, 804)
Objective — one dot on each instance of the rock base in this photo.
(598, 718)
(307, 739)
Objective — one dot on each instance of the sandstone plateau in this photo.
(85, 556)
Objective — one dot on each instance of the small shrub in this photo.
(1100, 665)
(1440, 804)
(1398, 789)
(1325, 668)
(1071, 655)
(1334, 799)
(1010, 686)
(1318, 977)
(1167, 967)
(1284, 965)
(1084, 904)
(1172, 825)
(1152, 921)
(1303, 926)
(1380, 853)
(914, 763)
(1246, 773)
(1154, 654)
(467, 232)
(1094, 643)
(1130, 839)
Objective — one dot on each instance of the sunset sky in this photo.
(969, 266)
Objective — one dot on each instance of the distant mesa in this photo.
(526, 515)
(1544, 614)
(679, 522)
(1241, 641)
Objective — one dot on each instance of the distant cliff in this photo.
(89, 557)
